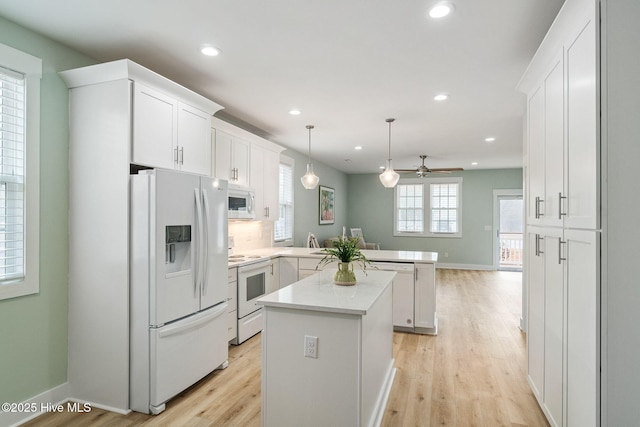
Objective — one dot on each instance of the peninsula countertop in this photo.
(319, 293)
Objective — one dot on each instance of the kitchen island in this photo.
(327, 351)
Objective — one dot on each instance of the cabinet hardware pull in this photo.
(182, 155)
(560, 258)
(538, 212)
(560, 213)
(175, 155)
(538, 239)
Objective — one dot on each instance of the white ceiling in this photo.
(346, 64)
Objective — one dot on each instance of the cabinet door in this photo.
(553, 145)
(154, 128)
(554, 303)
(274, 284)
(425, 291)
(288, 271)
(535, 151)
(583, 327)
(271, 188)
(403, 300)
(257, 180)
(222, 158)
(240, 161)
(581, 166)
(194, 140)
(535, 310)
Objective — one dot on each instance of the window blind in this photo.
(410, 208)
(12, 174)
(444, 208)
(283, 228)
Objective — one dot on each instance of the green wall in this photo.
(33, 329)
(307, 201)
(370, 207)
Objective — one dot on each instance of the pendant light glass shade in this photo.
(310, 180)
(389, 178)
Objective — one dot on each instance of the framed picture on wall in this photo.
(327, 206)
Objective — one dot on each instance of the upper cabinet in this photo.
(231, 157)
(562, 144)
(246, 159)
(168, 133)
(170, 125)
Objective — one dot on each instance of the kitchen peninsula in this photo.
(327, 351)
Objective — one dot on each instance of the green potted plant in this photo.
(346, 251)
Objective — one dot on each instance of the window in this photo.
(19, 172)
(432, 201)
(283, 227)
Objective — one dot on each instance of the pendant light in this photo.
(389, 178)
(310, 180)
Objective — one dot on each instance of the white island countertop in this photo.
(319, 293)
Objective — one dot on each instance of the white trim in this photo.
(31, 67)
(426, 207)
(54, 396)
(455, 266)
(515, 193)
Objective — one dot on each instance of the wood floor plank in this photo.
(473, 373)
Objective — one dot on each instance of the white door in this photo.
(535, 330)
(174, 293)
(554, 303)
(583, 327)
(535, 154)
(240, 161)
(508, 219)
(554, 145)
(154, 128)
(194, 140)
(214, 243)
(223, 155)
(582, 166)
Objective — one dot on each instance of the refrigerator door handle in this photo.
(205, 245)
(182, 326)
(198, 252)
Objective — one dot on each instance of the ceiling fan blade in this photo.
(405, 170)
(446, 169)
(436, 171)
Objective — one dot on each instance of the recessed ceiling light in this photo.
(441, 97)
(490, 139)
(441, 9)
(474, 164)
(358, 147)
(209, 50)
(294, 112)
(382, 167)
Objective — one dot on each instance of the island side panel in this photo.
(426, 319)
(377, 358)
(298, 390)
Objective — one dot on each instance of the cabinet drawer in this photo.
(232, 325)
(232, 299)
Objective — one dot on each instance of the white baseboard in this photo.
(36, 405)
(455, 266)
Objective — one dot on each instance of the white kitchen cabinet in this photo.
(231, 158)
(426, 318)
(562, 271)
(274, 283)
(168, 133)
(265, 180)
(194, 140)
(288, 271)
(232, 299)
(104, 128)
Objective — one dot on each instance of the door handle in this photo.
(560, 198)
(182, 155)
(538, 212)
(560, 258)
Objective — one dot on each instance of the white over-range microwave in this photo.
(241, 202)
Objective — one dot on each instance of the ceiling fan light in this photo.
(389, 178)
(310, 180)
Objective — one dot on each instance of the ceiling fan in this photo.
(423, 171)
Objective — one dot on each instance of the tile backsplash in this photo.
(249, 235)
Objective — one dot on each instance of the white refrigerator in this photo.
(178, 278)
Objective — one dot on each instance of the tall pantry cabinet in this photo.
(122, 116)
(562, 173)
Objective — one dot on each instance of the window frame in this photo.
(31, 68)
(426, 207)
(290, 163)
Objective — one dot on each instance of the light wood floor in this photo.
(473, 373)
